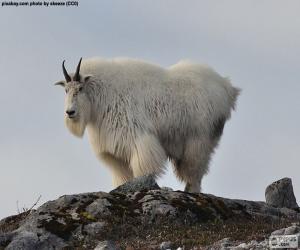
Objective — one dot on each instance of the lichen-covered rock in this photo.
(30, 241)
(82, 221)
(106, 245)
(94, 228)
(143, 183)
(24, 240)
(99, 207)
(165, 245)
(281, 194)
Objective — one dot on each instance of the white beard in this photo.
(76, 127)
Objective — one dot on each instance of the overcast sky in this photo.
(255, 43)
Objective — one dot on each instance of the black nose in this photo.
(70, 112)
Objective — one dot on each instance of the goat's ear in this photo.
(60, 83)
(86, 78)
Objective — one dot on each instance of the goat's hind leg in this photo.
(193, 165)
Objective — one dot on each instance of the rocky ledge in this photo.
(140, 215)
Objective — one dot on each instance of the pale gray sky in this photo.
(255, 43)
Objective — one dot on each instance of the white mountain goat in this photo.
(138, 115)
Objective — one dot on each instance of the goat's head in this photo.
(77, 102)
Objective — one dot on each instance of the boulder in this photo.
(281, 194)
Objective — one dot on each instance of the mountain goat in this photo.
(139, 115)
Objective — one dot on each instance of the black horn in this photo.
(68, 78)
(77, 76)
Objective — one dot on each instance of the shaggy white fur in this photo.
(138, 115)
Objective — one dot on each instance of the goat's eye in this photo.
(80, 88)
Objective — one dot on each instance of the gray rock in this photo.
(94, 228)
(278, 232)
(166, 189)
(99, 207)
(24, 241)
(165, 245)
(6, 238)
(281, 194)
(225, 243)
(291, 230)
(264, 244)
(241, 246)
(158, 208)
(143, 183)
(294, 229)
(252, 245)
(289, 212)
(106, 245)
(30, 241)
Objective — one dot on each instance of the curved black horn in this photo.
(68, 78)
(76, 76)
